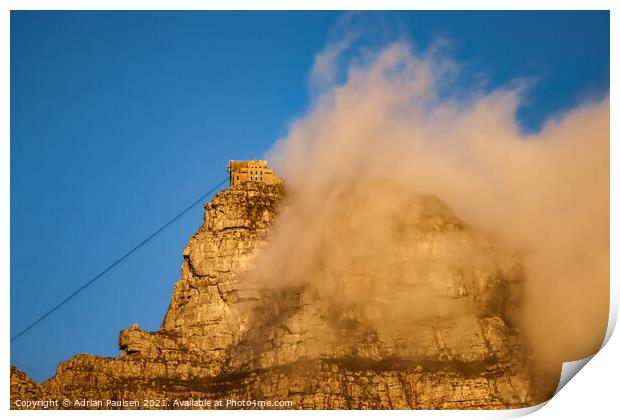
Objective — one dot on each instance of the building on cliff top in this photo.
(241, 171)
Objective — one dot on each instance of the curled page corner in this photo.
(569, 370)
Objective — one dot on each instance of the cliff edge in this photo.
(226, 338)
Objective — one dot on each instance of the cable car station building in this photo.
(241, 171)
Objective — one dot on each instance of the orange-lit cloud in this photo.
(390, 131)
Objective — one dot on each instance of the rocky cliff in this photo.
(225, 338)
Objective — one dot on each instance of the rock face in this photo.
(224, 339)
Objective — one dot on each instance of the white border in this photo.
(596, 394)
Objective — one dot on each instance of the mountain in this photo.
(425, 326)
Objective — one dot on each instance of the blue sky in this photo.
(121, 119)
